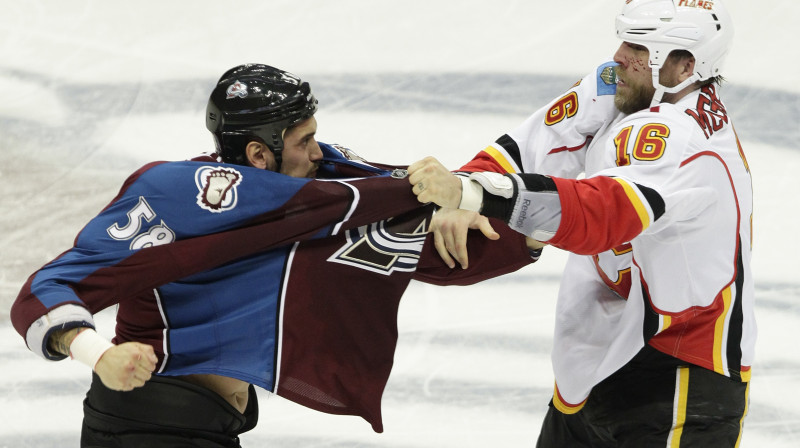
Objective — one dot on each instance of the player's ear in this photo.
(686, 68)
(259, 156)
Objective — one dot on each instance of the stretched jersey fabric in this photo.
(287, 283)
(659, 230)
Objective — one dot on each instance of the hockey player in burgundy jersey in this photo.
(655, 330)
(278, 262)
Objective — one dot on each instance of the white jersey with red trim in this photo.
(553, 141)
(660, 230)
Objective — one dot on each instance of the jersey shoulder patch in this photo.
(341, 152)
(607, 79)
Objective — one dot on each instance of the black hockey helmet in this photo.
(256, 101)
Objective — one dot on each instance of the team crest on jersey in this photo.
(237, 89)
(217, 187)
(614, 267)
(384, 247)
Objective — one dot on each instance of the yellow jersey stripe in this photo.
(719, 332)
(745, 373)
(746, 408)
(666, 321)
(679, 407)
(637, 203)
(500, 158)
(563, 407)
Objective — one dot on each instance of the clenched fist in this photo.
(126, 366)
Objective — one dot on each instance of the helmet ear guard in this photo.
(256, 102)
(704, 29)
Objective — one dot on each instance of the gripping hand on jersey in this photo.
(491, 194)
(432, 182)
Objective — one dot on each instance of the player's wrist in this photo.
(88, 347)
(471, 195)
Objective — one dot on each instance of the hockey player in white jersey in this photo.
(655, 331)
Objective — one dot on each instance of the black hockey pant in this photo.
(653, 401)
(165, 412)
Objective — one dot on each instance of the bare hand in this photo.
(126, 366)
(432, 182)
(450, 227)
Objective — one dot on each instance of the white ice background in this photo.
(91, 90)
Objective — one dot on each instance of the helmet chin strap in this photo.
(277, 150)
(278, 154)
(661, 89)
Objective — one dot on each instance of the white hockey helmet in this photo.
(703, 28)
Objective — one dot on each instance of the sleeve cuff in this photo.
(471, 195)
(64, 317)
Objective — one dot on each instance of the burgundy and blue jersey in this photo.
(291, 284)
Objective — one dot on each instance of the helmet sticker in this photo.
(237, 89)
(290, 78)
(217, 188)
(708, 4)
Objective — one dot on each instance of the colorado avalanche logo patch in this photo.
(384, 247)
(236, 89)
(217, 188)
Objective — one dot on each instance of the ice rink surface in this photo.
(91, 90)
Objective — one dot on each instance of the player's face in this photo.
(301, 153)
(634, 78)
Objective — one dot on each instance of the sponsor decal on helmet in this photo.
(237, 89)
(707, 4)
(217, 186)
(290, 78)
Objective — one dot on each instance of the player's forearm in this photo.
(582, 216)
(82, 344)
(534, 244)
(60, 340)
